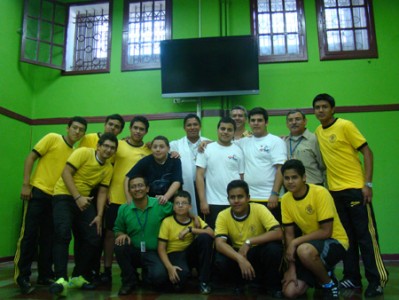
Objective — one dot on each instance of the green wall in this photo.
(38, 92)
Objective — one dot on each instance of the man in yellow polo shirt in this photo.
(312, 256)
(130, 151)
(351, 187)
(51, 152)
(74, 211)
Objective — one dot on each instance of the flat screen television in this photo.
(215, 66)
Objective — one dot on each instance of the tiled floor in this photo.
(8, 290)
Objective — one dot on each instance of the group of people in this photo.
(250, 207)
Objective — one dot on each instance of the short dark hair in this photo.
(116, 117)
(238, 184)
(183, 194)
(325, 97)
(108, 137)
(191, 116)
(259, 111)
(293, 164)
(161, 138)
(139, 176)
(141, 119)
(240, 107)
(294, 111)
(78, 120)
(227, 120)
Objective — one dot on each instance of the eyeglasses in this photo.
(137, 186)
(181, 203)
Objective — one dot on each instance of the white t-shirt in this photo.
(261, 154)
(222, 164)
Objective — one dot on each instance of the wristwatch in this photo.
(369, 184)
(248, 243)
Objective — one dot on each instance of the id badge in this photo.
(142, 246)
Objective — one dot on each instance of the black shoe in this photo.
(106, 278)
(331, 292)
(205, 288)
(238, 291)
(25, 286)
(126, 289)
(373, 290)
(350, 284)
(177, 288)
(45, 281)
(277, 294)
(89, 286)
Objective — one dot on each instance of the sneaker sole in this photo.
(56, 289)
(28, 291)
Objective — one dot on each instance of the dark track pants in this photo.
(359, 223)
(36, 236)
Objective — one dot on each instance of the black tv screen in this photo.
(216, 66)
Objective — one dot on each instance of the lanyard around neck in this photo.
(296, 146)
(142, 225)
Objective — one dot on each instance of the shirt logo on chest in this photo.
(264, 148)
(309, 210)
(233, 157)
(332, 138)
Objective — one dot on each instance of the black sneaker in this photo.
(25, 286)
(373, 290)
(45, 281)
(349, 284)
(106, 278)
(126, 289)
(276, 294)
(205, 289)
(331, 292)
(238, 290)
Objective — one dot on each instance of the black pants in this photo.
(36, 236)
(95, 263)
(198, 254)
(265, 259)
(67, 218)
(130, 258)
(214, 211)
(359, 223)
(276, 212)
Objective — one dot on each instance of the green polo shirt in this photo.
(142, 225)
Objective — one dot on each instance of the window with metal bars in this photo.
(280, 28)
(146, 24)
(346, 29)
(88, 38)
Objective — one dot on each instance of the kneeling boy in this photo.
(248, 242)
(180, 242)
(312, 256)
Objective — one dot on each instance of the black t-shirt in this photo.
(159, 177)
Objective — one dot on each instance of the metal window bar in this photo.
(142, 50)
(91, 44)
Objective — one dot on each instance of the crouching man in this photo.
(182, 245)
(248, 242)
(136, 230)
(312, 256)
